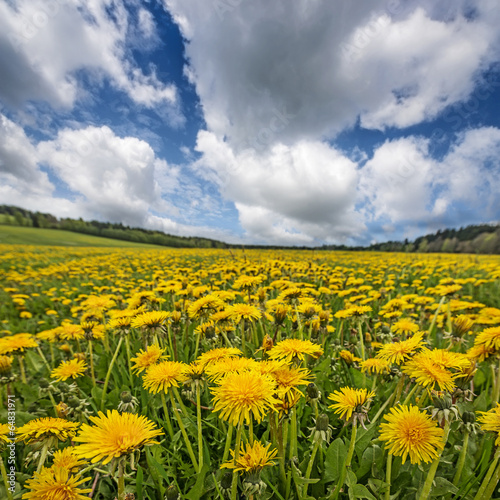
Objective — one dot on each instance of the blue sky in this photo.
(260, 121)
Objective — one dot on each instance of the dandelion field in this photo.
(209, 374)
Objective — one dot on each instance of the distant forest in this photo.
(15, 216)
(483, 238)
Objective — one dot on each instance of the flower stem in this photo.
(461, 460)
(91, 357)
(497, 386)
(5, 480)
(410, 394)
(234, 484)
(198, 424)
(167, 416)
(293, 434)
(347, 463)
(228, 442)
(108, 375)
(121, 481)
(129, 364)
(21, 367)
(281, 451)
(184, 434)
(432, 471)
(250, 432)
(310, 464)
(486, 480)
(44, 359)
(179, 400)
(43, 456)
(388, 473)
(434, 319)
(492, 484)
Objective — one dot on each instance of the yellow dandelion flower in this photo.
(247, 282)
(5, 430)
(243, 395)
(295, 349)
(397, 352)
(69, 331)
(462, 324)
(288, 380)
(449, 359)
(480, 352)
(291, 294)
(349, 400)
(150, 319)
(216, 354)
(17, 343)
(162, 376)
(204, 305)
(404, 326)
(62, 409)
(284, 405)
(69, 369)
(238, 312)
(51, 335)
(147, 358)
(353, 312)
(253, 459)
(45, 428)
(428, 373)
(374, 365)
(490, 421)
(114, 435)
(218, 369)
(411, 432)
(490, 337)
(270, 365)
(56, 483)
(5, 364)
(120, 322)
(446, 290)
(66, 458)
(349, 357)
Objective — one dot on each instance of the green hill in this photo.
(16, 235)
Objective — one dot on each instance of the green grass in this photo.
(16, 235)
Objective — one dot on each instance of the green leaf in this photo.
(138, 482)
(334, 460)
(154, 469)
(371, 456)
(360, 491)
(196, 492)
(363, 439)
(441, 487)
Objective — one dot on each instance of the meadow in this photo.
(137, 373)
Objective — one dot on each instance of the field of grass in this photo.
(16, 235)
(261, 375)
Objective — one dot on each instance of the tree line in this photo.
(482, 238)
(16, 216)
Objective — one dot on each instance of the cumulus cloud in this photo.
(297, 74)
(306, 191)
(114, 175)
(325, 65)
(43, 46)
(403, 184)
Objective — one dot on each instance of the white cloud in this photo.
(45, 44)
(398, 181)
(296, 74)
(325, 64)
(115, 175)
(305, 191)
(402, 183)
